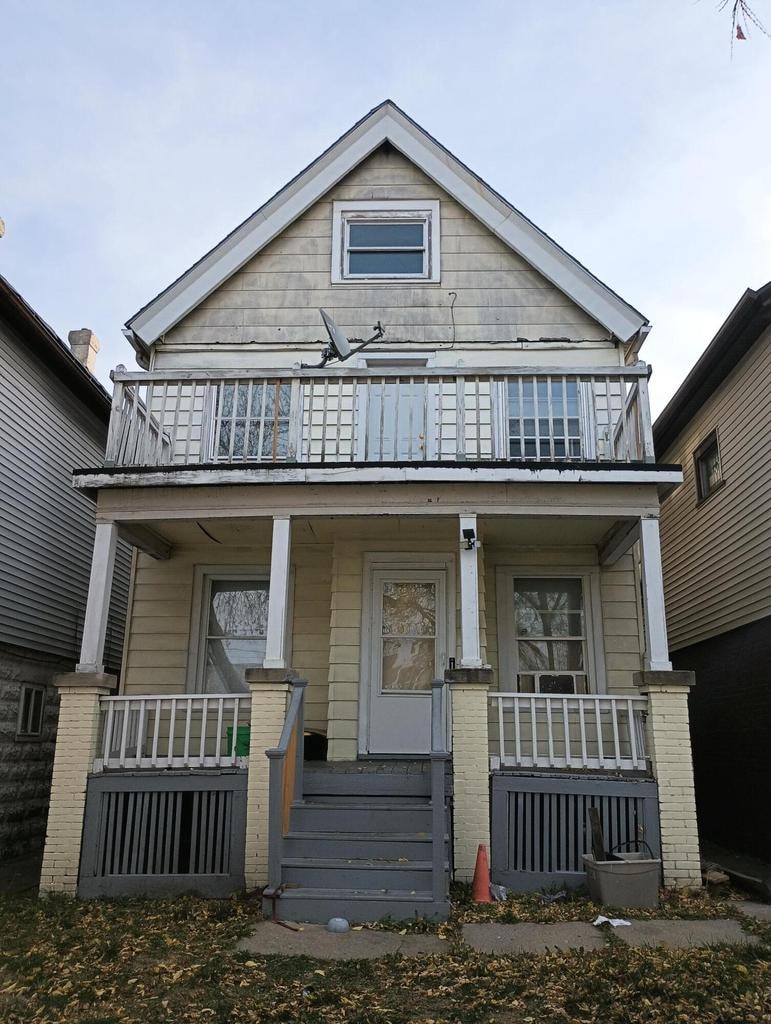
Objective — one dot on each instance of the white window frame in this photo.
(204, 576)
(22, 730)
(212, 422)
(508, 667)
(588, 433)
(345, 213)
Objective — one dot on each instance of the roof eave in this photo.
(736, 336)
(54, 352)
(386, 123)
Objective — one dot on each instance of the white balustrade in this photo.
(354, 415)
(175, 731)
(589, 731)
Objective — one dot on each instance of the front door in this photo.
(407, 650)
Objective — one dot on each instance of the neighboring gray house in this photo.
(53, 417)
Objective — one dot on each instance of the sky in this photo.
(135, 135)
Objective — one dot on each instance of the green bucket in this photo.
(242, 740)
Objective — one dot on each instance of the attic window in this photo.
(385, 241)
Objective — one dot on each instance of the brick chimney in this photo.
(85, 345)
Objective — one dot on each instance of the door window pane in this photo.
(408, 664)
(408, 635)
(549, 633)
(236, 625)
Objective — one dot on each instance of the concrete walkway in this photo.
(313, 940)
(531, 938)
(271, 939)
(685, 934)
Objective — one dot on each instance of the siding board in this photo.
(274, 298)
(46, 527)
(717, 555)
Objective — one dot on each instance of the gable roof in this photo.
(386, 123)
(49, 347)
(745, 323)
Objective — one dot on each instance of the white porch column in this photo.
(278, 597)
(98, 603)
(470, 645)
(656, 647)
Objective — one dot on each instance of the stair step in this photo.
(362, 816)
(321, 783)
(356, 905)
(324, 844)
(373, 873)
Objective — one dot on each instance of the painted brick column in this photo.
(470, 765)
(76, 748)
(269, 689)
(669, 747)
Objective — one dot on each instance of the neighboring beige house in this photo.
(435, 535)
(716, 548)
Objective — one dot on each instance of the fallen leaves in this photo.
(174, 961)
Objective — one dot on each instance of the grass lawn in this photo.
(142, 961)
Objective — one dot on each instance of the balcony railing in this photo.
(374, 416)
(588, 731)
(177, 731)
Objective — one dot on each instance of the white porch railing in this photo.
(360, 415)
(175, 731)
(570, 731)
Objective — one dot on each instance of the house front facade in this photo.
(424, 578)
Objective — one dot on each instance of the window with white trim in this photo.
(385, 241)
(252, 421)
(549, 635)
(32, 699)
(233, 628)
(543, 418)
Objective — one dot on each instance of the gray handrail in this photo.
(439, 757)
(294, 724)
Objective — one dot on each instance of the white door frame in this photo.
(374, 561)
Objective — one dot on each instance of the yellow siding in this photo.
(157, 640)
(717, 556)
(326, 619)
(274, 298)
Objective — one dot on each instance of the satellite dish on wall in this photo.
(339, 346)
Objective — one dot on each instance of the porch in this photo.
(566, 703)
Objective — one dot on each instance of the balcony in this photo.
(386, 416)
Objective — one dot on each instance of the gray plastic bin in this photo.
(632, 881)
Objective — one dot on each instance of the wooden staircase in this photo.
(360, 845)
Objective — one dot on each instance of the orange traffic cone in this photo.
(480, 889)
